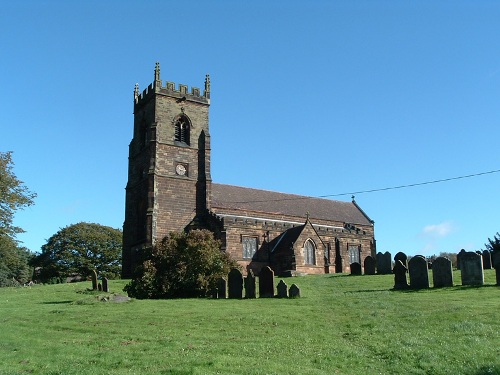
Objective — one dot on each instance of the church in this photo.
(170, 188)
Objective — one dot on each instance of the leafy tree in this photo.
(14, 195)
(182, 265)
(14, 268)
(494, 244)
(80, 248)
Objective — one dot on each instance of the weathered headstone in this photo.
(400, 281)
(355, 268)
(221, 287)
(419, 272)
(294, 291)
(495, 260)
(99, 287)
(442, 272)
(471, 267)
(402, 257)
(250, 285)
(459, 258)
(266, 282)
(93, 275)
(369, 264)
(105, 285)
(282, 289)
(384, 263)
(235, 284)
(486, 260)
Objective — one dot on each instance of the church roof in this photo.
(229, 197)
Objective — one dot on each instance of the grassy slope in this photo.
(342, 324)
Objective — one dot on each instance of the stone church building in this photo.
(170, 189)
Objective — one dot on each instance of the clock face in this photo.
(180, 170)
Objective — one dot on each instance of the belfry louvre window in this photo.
(249, 247)
(182, 130)
(309, 252)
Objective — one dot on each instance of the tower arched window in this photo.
(182, 130)
(309, 252)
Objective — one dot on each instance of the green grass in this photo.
(341, 325)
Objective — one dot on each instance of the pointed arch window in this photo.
(182, 130)
(309, 252)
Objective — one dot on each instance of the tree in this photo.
(182, 265)
(14, 195)
(14, 259)
(80, 248)
(493, 244)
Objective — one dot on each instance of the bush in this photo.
(182, 265)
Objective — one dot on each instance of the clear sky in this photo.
(316, 98)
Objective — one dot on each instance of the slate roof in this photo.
(229, 197)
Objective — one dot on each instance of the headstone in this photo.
(495, 260)
(235, 284)
(355, 268)
(221, 287)
(442, 272)
(402, 257)
(471, 267)
(419, 272)
(99, 287)
(250, 285)
(105, 285)
(282, 289)
(399, 271)
(459, 258)
(384, 266)
(486, 260)
(369, 265)
(93, 275)
(266, 282)
(294, 291)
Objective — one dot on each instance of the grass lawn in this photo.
(341, 325)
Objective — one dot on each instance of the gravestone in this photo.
(250, 285)
(399, 271)
(99, 287)
(495, 260)
(221, 287)
(294, 291)
(419, 272)
(384, 266)
(442, 272)
(282, 289)
(266, 282)
(369, 264)
(459, 258)
(235, 284)
(105, 285)
(355, 268)
(93, 275)
(486, 260)
(471, 267)
(402, 257)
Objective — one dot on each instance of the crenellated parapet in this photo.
(181, 92)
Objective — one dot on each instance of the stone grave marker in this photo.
(221, 287)
(235, 284)
(282, 289)
(355, 268)
(486, 260)
(495, 260)
(250, 285)
(93, 275)
(384, 266)
(402, 257)
(442, 272)
(400, 281)
(419, 272)
(294, 291)
(471, 267)
(105, 285)
(369, 264)
(459, 258)
(266, 282)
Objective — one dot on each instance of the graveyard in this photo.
(345, 324)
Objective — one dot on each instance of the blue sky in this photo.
(308, 97)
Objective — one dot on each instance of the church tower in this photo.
(169, 181)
